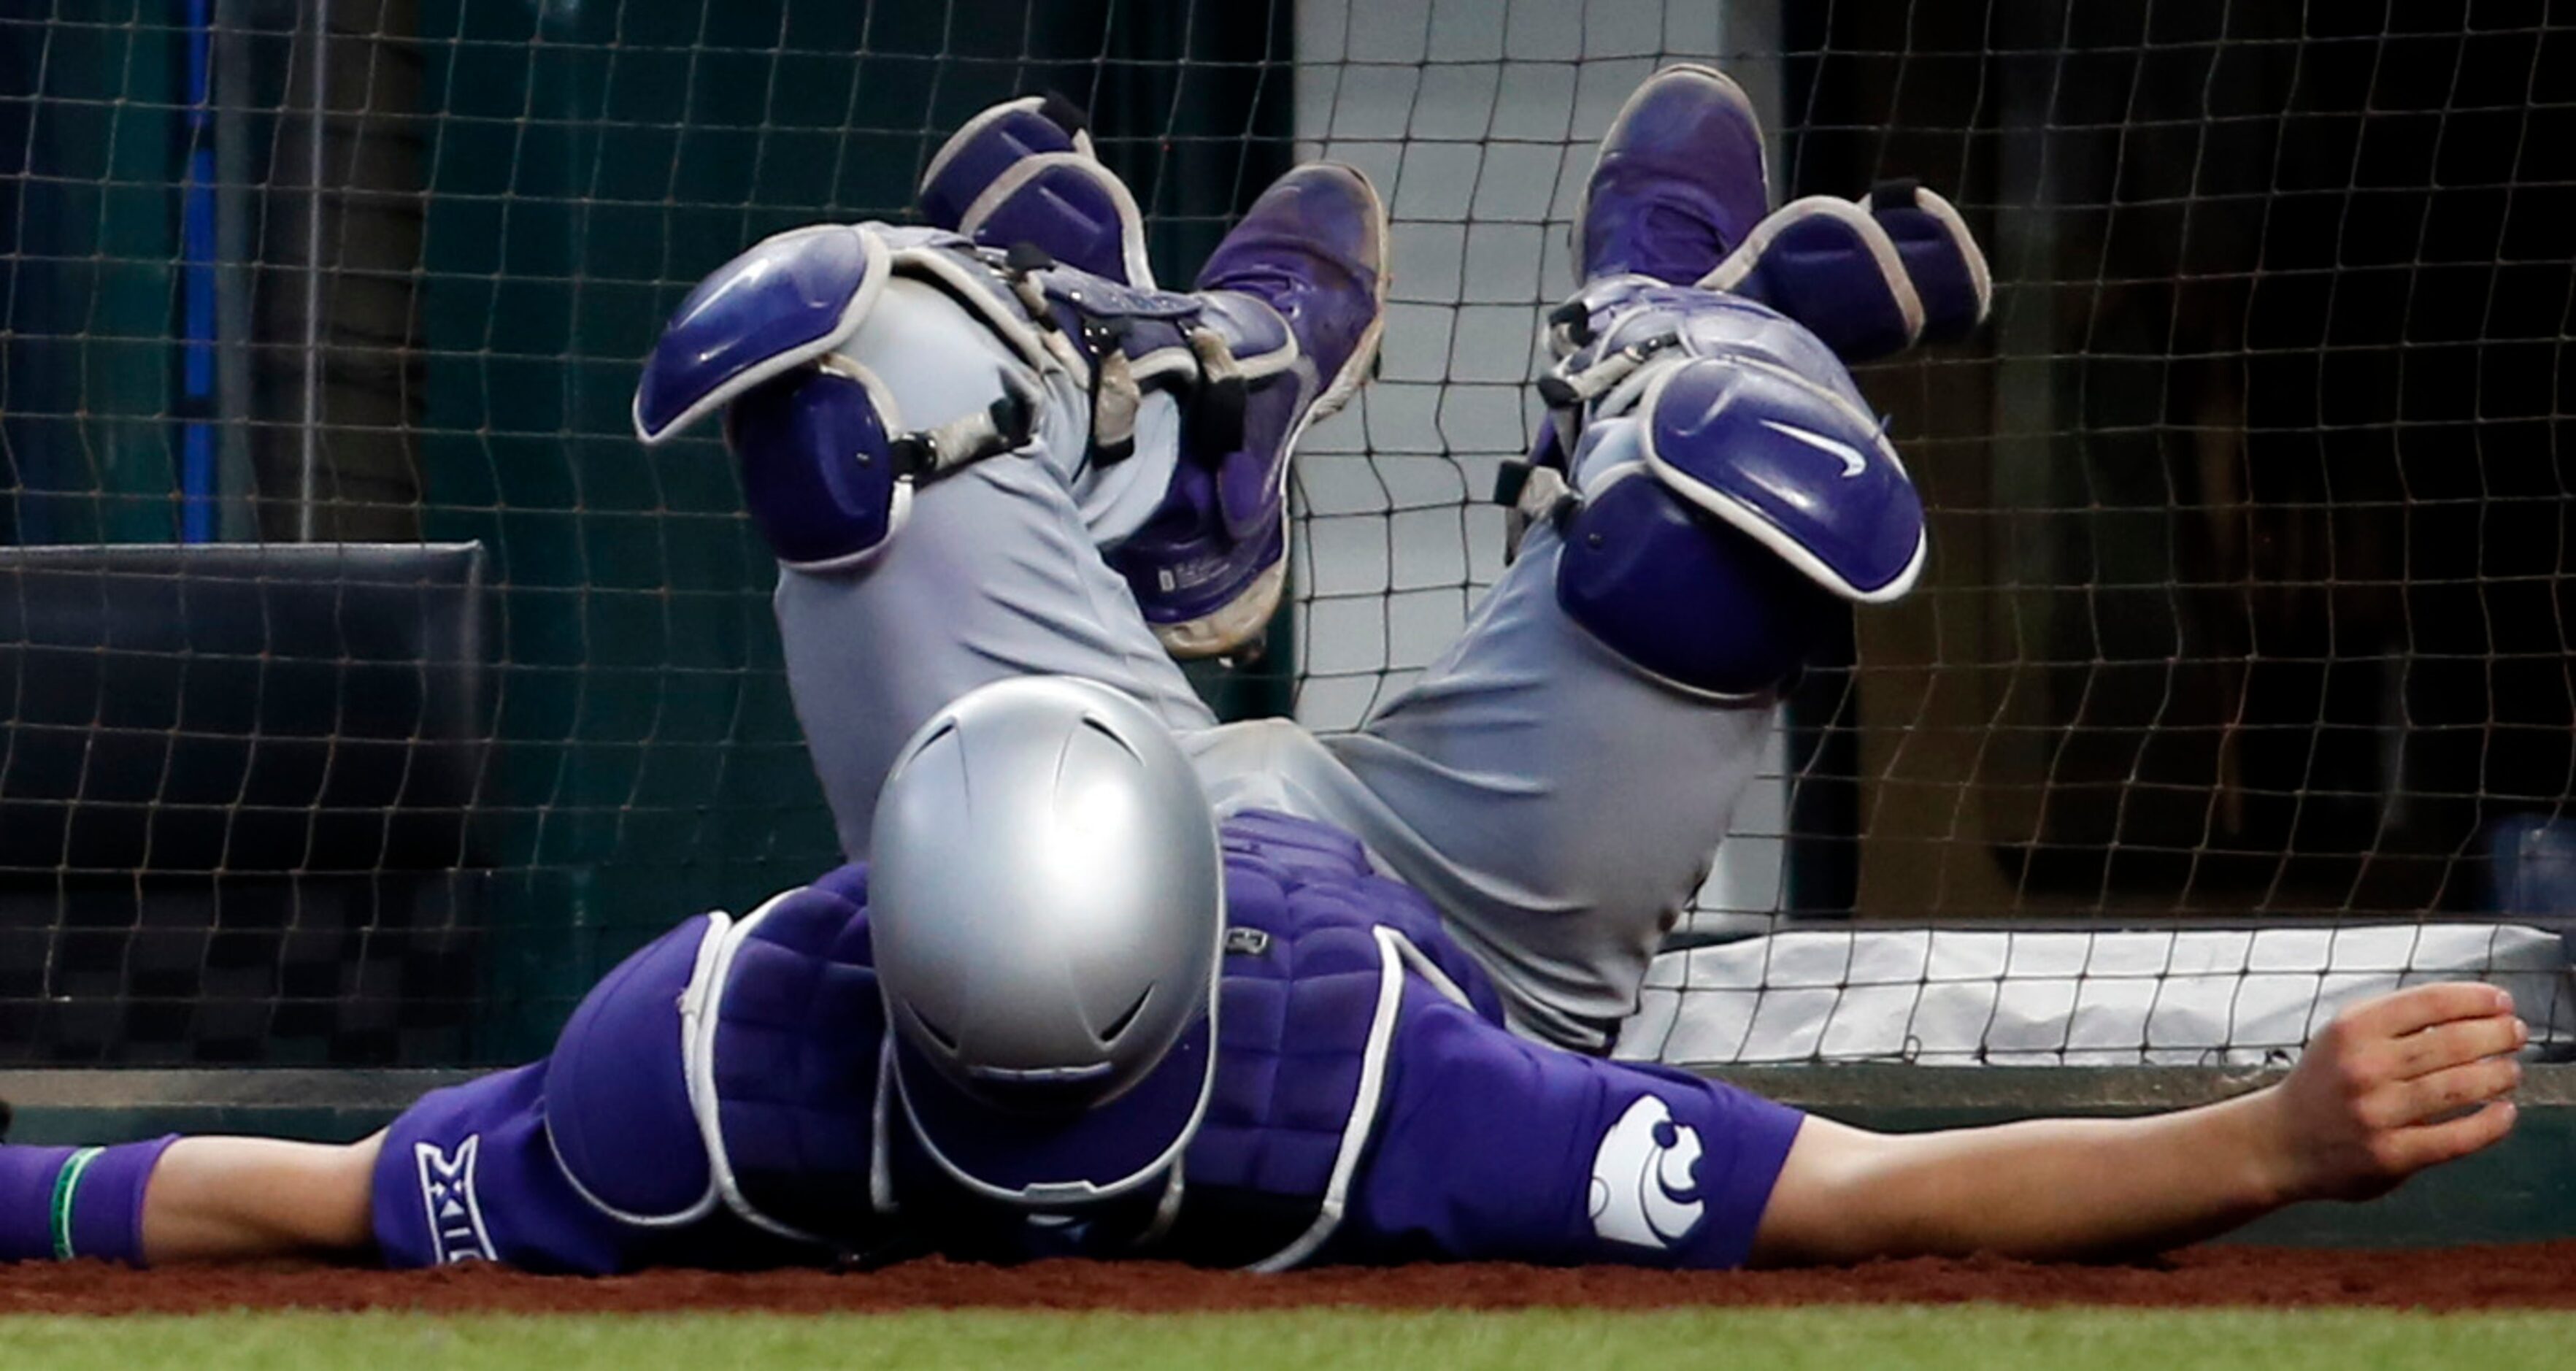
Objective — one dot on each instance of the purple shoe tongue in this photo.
(1248, 482)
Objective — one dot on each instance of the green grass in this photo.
(1832, 1339)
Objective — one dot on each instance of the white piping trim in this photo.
(1739, 264)
(1978, 273)
(1167, 1210)
(1016, 177)
(880, 1118)
(1363, 1121)
(717, 922)
(703, 1018)
(1752, 522)
(880, 398)
(876, 261)
(969, 130)
(898, 512)
(1429, 970)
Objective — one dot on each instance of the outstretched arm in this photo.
(239, 1199)
(2394, 1085)
(173, 1200)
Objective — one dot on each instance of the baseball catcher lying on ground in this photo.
(1106, 979)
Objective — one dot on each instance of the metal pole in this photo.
(312, 434)
(198, 251)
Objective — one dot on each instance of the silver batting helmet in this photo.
(1047, 905)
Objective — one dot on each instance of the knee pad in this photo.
(1754, 501)
(819, 469)
(827, 467)
(1682, 595)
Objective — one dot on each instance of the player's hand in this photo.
(2396, 1084)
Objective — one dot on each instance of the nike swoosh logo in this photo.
(1853, 462)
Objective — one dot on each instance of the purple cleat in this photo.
(1209, 567)
(1679, 182)
(1679, 194)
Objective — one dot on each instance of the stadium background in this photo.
(2248, 509)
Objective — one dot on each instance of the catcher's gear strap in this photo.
(1119, 343)
(1531, 492)
(1612, 338)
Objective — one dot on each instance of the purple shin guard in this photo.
(62, 1203)
(1024, 172)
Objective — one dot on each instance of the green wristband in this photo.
(66, 1187)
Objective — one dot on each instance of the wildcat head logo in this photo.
(1642, 1189)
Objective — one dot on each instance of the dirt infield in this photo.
(2529, 1276)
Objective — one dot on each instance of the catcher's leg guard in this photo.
(1942, 259)
(1871, 277)
(1209, 566)
(827, 467)
(1023, 172)
(1827, 264)
(1719, 523)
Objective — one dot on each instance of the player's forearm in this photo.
(2412, 1079)
(2041, 1189)
(241, 1199)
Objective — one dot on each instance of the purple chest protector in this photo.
(764, 1110)
(775, 1109)
(1320, 956)
(1319, 951)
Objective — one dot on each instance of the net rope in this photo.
(2249, 517)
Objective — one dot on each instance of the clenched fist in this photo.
(2396, 1084)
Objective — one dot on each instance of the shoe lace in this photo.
(1264, 278)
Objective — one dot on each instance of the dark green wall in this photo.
(582, 174)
